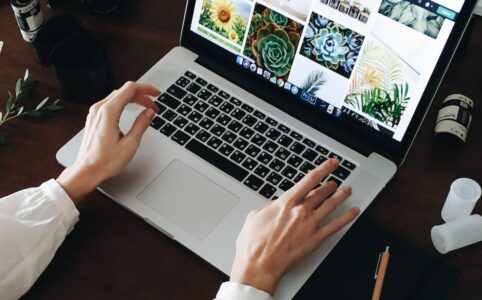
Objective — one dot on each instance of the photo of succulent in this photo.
(413, 16)
(331, 45)
(272, 41)
(227, 18)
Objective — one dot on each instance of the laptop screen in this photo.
(369, 61)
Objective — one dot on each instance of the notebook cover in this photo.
(348, 272)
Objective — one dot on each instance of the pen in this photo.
(380, 273)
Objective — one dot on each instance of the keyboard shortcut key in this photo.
(253, 182)
(169, 101)
(286, 185)
(157, 123)
(250, 164)
(341, 173)
(180, 137)
(267, 191)
(349, 165)
(176, 91)
(168, 129)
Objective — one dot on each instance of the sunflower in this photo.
(233, 36)
(223, 14)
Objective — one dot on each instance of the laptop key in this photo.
(322, 150)
(182, 81)
(334, 155)
(235, 101)
(195, 116)
(261, 171)
(267, 191)
(283, 128)
(297, 148)
(258, 139)
(285, 141)
(229, 137)
(253, 182)
(320, 160)
(307, 167)
(252, 150)
(206, 123)
(194, 88)
(176, 91)
(226, 107)
(190, 100)
(161, 107)
(250, 164)
(349, 165)
(247, 108)
(157, 122)
(204, 94)
(264, 158)
(288, 172)
(271, 121)
(180, 137)
(184, 110)
(235, 126)
(217, 130)
(296, 135)
(212, 88)
(270, 146)
(295, 160)
(274, 178)
(214, 142)
(201, 81)
(212, 113)
(191, 129)
(190, 75)
(241, 143)
(169, 115)
(298, 177)
(341, 173)
(249, 120)
(309, 155)
(203, 135)
(261, 127)
(238, 156)
(277, 165)
(238, 114)
(246, 133)
(259, 115)
(217, 160)
(223, 119)
(286, 185)
(215, 100)
(282, 153)
(309, 143)
(224, 94)
(273, 134)
(226, 150)
(169, 101)
(180, 122)
(168, 129)
(201, 106)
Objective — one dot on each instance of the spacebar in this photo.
(217, 160)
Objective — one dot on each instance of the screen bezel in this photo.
(348, 131)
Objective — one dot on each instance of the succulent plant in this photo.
(271, 16)
(329, 46)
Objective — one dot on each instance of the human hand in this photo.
(278, 236)
(105, 150)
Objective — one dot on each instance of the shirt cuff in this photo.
(56, 192)
(237, 291)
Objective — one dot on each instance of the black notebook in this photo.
(348, 272)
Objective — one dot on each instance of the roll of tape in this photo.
(454, 118)
(457, 234)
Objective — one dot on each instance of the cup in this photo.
(55, 30)
(82, 69)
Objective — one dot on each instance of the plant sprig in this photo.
(14, 110)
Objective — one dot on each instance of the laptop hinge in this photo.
(267, 94)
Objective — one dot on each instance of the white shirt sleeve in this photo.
(237, 291)
(33, 224)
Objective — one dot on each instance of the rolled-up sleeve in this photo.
(238, 291)
(33, 224)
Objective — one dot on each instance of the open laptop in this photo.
(260, 92)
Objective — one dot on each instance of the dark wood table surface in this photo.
(112, 254)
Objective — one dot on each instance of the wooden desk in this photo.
(113, 254)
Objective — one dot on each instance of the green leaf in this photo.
(34, 113)
(41, 104)
(56, 102)
(20, 110)
(27, 75)
(1, 117)
(10, 103)
(54, 107)
(18, 87)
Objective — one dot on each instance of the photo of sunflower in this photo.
(227, 18)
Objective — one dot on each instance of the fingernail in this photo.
(150, 113)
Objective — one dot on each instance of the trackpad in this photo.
(188, 199)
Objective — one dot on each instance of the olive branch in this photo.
(14, 110)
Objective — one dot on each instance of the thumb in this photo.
(141, 124)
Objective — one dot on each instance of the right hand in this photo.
(280, 235)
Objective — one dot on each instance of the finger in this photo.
(308, 183)
(131, 91)
(317, 196)
(146, 101)
(332, 203)
(141, 124)
(336, 224)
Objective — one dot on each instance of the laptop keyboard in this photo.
(247, 144)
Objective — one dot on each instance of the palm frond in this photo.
(314, 82)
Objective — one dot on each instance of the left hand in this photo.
(105, 150)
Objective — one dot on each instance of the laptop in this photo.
(260, 92)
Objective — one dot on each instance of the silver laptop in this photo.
(260, 92)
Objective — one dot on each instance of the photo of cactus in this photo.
(413, 16)
(331, 45)
(272, 41)
(227, 18)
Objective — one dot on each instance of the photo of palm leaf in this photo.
(313, 82)
(228, 18)
(379, 87)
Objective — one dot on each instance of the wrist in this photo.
(255, 277)
(78, 181)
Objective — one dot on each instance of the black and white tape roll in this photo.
(29, 17)
(454, 118)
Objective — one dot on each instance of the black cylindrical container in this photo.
(29, 17)
(454, 118)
